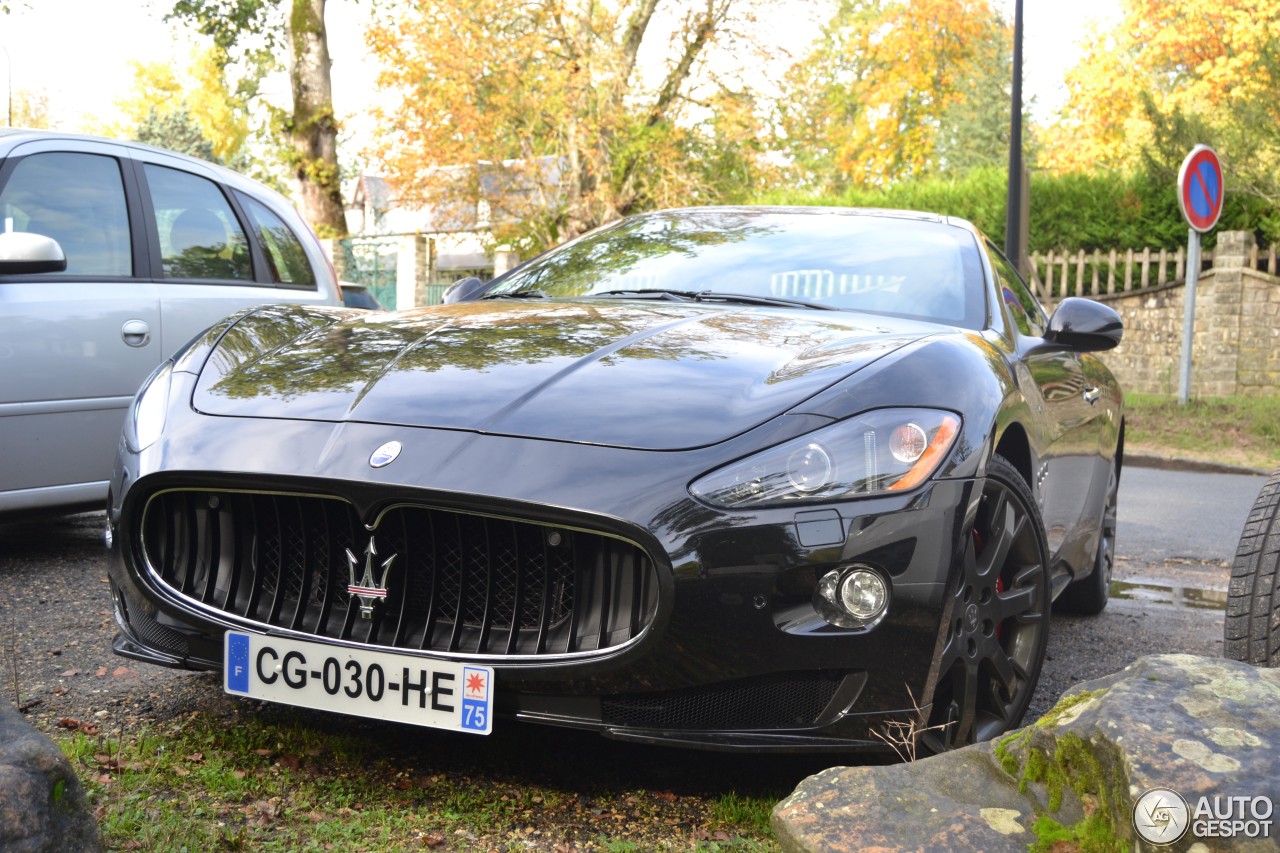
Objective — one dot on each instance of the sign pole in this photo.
(1200, 195)
(1189, 313)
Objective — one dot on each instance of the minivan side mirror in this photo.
(22, 253)
(464, 290)
(1084, 325)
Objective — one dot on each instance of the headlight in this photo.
(889, 450)
(146, 415)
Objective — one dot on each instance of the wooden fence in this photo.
(1059, 274)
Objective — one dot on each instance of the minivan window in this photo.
(200, 236)
(78, 200)
(285, 256)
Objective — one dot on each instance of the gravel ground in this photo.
(57, 626)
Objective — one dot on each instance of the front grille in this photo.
(788, 700)
(455, 583)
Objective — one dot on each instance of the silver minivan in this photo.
(112, 256)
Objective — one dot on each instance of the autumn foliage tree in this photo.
(899, 89)
(1173, 73)
(253, 33)
(541, 114)
(192, 109)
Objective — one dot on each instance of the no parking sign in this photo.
(1200, 188)
(1200, 194)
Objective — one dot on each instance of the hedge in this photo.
(1073, 211)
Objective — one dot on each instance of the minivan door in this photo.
(208, 266)
(75, 345)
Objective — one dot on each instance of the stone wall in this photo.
(1236, 348)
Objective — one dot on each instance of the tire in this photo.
(1088, 596)
(997, 624)
(1251, 632)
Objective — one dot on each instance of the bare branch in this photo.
(699, 33)
(634, 36)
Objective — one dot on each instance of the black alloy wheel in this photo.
(1089, 595)
(999, 619)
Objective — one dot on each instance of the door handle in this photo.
(1092, 395)
(136, 333)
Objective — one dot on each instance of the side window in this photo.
(285, 256)
(78, 200)
(1023, 307)
(199, 234)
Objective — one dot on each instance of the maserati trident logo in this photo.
(370, 589)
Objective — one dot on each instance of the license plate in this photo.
(363, 682)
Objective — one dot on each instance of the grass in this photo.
(280, 782)
(1234, 430)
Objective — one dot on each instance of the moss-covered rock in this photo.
(1198, 726)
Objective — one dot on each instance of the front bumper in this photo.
(732, 657)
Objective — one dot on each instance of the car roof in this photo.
(11, 137)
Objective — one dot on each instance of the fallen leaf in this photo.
(71, 673)
(121, 670)
(181, 771)
(69, 723)
(101, 673)
(59, 691)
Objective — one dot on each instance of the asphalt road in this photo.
(1182, 515)
(1177, 535)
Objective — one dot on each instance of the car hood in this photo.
(651, 375)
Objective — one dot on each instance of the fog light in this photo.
(856, 597)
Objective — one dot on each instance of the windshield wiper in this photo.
(652, 293)
(714, 296)
(517, 294)
(752, 299)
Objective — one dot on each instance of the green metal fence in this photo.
(371, 261)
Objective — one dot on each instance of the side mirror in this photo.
(22, 252)
(1084, 325)
(464, 290)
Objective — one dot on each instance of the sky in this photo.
(79, 51)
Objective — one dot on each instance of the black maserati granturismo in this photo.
(730, 478)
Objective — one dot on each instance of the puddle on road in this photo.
(1177, 596)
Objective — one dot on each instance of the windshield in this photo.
(854, 261)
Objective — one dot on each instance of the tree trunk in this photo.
(313, 129)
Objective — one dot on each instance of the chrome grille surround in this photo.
(462, 584)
